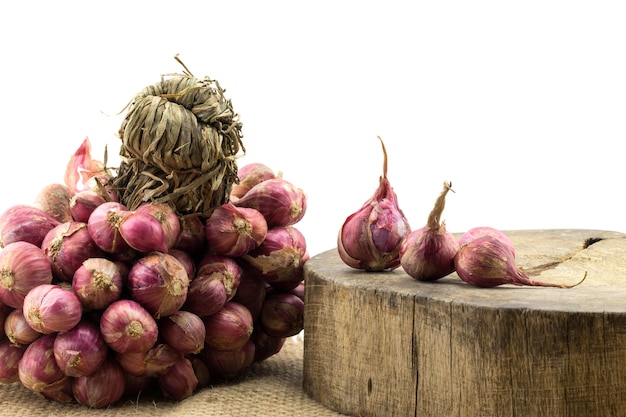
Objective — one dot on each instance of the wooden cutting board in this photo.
(385, 344)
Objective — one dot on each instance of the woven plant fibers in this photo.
(180, 140)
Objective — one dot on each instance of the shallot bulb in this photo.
(191, 238)
(488, 262)
(98, 282)
(265, 345)
(282, 315)
(427, 253)
(215, 284)
(49, 308)
(228, 329)
(229, 364)
(83, 203)
(180, 381)
(102, 388)
(370, 239)
(68, 245)
(159, 282)
(235, 231)
(80, 350)
(280, 202)
(168, 219)
(143, 232)
(23, 266)
(281, 256)
(23, 223)
(17, 329)
(54, 199)
(250, 175)
(10, 356)
(183, 331)
(104, 224)
(128, 327)
(39, 372)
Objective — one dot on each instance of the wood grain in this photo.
(384, 344)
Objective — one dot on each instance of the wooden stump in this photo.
(385, 344)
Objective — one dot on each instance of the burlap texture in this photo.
(270, 388)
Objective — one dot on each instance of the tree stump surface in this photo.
(385, 344)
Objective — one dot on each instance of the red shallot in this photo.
(83, 203)
(25, 223)
(370, 239)
(10, 355)
(54, 199)
(17, 329)
(487, 261)
(23, 266)
(159, 282)
(427, 253)
(102, 388)
(280, 202)
(68, 245)
(235, 231)
(228, 329)
(49, 308)
(282, 315)
(250, 175)
(180, 381)
(80, 350)
(98, 282)
(39, 372)
(128, 327)
(183, 331)
(104, 224)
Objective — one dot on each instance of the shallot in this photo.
(23, 266)
(54, 199)
(281, 256)
(128, 327)
(17, 329)
(23, 223)
(282, 315)
(10, 356)
(102, 388)
(250, 175)
(98, 282)
(280, 202)
(370, 239)
(229, 364)
(180, 381)
(159, 282)
(39, 372)
(235, 231)
(83, 203)
(183, 331)
(80, 350)
(104, 224)
(487, 261)
(228, 329)
(427, 253)
(49, 308)
(68, 245)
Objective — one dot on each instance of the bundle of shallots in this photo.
(154, 278)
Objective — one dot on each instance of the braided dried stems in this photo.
(180, 142)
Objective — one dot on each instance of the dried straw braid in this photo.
(180, 140)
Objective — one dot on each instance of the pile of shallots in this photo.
(100, 303)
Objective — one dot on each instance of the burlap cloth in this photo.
(270, 388)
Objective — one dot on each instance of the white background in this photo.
(520, 104)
